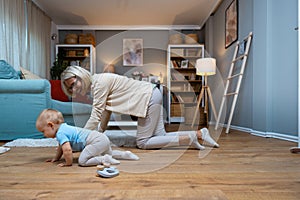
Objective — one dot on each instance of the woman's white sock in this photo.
(194, 141)
(130, 156)
(207, 138)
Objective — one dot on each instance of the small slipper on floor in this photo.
(4, 149)
(295, 150)
(108, 172)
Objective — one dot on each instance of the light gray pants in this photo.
(151, 133)
(97, 145)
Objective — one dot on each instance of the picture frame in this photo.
(231, 23)
(153, 79)
(184, 64)
(132, 52)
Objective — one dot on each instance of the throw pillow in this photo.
(7, 71)
(56, 91)
(28, 74)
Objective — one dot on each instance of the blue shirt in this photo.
(75, 135)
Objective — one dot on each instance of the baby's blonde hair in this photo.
(49, 115)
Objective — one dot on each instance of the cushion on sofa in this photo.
(56, 91)
(26, 74)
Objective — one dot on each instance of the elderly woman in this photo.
(120, 94)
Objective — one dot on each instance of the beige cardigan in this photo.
(120, 94)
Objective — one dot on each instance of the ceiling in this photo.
(161, 13)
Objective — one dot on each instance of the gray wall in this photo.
(268, 96)
(109, 46)
(280, 65)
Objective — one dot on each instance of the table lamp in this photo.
(205, 67)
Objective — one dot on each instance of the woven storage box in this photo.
(189, 112)
(177, 110)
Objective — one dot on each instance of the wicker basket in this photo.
(71, 39)
(191, 38)
(87, 39)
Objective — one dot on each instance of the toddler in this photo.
(94, 146)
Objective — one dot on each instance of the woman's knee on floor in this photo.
(141, 144)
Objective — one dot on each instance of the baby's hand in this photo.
(51, 160)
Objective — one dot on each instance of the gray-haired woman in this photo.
(120, 94)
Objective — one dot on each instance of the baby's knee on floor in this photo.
(82, 162)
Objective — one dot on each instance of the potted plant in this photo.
(58, 67)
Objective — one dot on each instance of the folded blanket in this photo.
(7, 71)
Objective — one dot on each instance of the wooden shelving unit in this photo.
(82, 54)
(183, 83)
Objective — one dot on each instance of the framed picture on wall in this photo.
(231, 23)
(132, 52)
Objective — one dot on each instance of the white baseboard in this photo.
(280, 136)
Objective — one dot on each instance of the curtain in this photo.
(25, 36)
(12, 32)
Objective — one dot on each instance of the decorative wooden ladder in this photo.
(240, 54)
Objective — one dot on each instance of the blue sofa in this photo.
(21, 101)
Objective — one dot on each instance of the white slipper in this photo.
(108, 172)
(4, 149)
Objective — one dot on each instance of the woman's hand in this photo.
(64, 165)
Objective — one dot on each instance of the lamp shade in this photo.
(206, 66)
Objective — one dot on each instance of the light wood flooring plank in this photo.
(244, 167)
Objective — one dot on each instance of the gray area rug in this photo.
(27, 142)
(120, 138)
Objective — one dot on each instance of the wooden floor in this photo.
(244, 167)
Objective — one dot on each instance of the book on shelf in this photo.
(180, 99)
(177, 76)
(175, 64)
(173, 98)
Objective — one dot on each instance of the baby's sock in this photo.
(109, 159)
(194, 141)
(127, 155)
(207, 138)
(130, 156)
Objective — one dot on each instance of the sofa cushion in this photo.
(7, 71)
(28, 74)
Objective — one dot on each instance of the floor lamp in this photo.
(205, 67)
